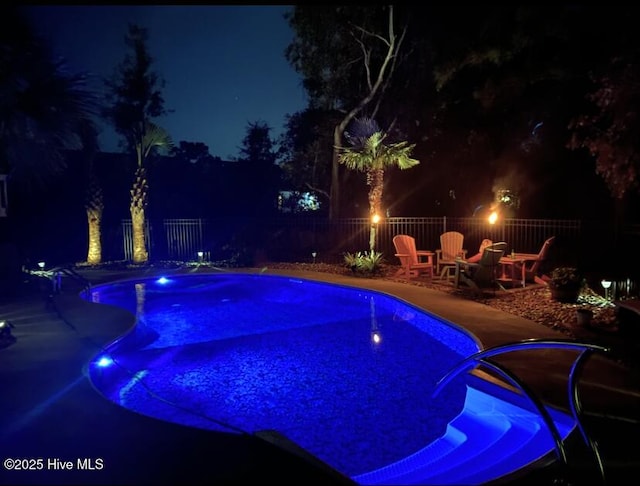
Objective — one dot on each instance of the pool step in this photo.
(524, 448)
(489, 439)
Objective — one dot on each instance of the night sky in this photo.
(224, 66)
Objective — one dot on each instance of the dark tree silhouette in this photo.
(609, 132)
(306, 149)
(262, 177)
(43, 106)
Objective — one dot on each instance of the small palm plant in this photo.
(364, 263)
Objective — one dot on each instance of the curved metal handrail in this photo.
(69, 272)
(576, 407)
(574, 396)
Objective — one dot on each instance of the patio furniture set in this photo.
(491, 266)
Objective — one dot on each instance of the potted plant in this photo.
(565, 284)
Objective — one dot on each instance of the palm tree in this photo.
(94, 196)
(148, 137)
(43, 106)
(369, 154)
(134, 98)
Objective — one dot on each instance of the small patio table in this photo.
(510, 268)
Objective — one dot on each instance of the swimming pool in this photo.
(347, 374)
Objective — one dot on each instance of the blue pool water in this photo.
(345, 373)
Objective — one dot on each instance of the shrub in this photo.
(566, 277)
(364, 263)
(566, 284)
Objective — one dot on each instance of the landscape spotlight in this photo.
(5, 329)
(41, 265)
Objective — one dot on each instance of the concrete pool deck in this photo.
(50, 411)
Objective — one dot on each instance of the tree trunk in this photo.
(140, 254)
(138, 203)
(376, 183)
(94, 220)
(334, 190)
(376, 178)
(372, 237)
(94, 206)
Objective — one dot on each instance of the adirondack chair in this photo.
(451, 243)
(482, 274)
(412, 261)
(476, 258)
(534, 265)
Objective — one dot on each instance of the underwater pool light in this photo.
(104, 361)
(162, 280)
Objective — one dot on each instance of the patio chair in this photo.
(536, 266)
(476, 258)
(451, 243)
(412, 261)
(500, 245)
(481, 275)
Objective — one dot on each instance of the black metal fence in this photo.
(593, 245)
